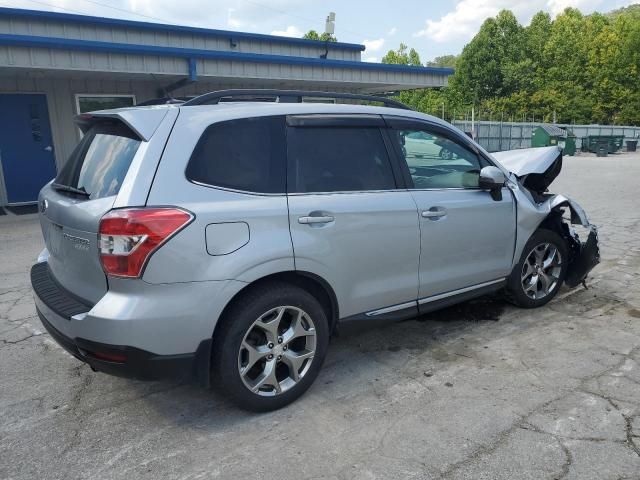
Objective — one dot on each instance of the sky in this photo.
(432, 27)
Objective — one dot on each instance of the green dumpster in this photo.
(618, 142)
(549, 135)
(592, 143)
(570, 144)
(602, 148)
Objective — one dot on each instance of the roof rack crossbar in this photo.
(285, 96)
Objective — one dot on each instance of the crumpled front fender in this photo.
(578, 215)
(584, 255)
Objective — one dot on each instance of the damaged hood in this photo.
(528, 160)
(535, 167)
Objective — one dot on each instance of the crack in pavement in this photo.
(629, 442)
(503, 437)
(15, 342)
(566, 467)
(74, 407)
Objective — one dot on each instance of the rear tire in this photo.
(270, 346)
(541, 270)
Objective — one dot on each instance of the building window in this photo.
(91, 103)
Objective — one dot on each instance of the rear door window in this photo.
(337, 159)
(246, 154)
(101, 160)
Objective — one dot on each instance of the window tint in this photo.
(333, 159)
(434, 161)
(101, 160)
(246, 154)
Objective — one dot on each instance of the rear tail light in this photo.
(128, 237)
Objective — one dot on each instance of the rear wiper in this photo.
(70, 189)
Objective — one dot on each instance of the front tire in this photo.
(542, 268)
(270, 346)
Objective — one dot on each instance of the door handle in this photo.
(314, 220)
(433, 213)
(48, 148)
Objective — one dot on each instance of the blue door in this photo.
(26, 149)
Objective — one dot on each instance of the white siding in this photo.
(124, 34)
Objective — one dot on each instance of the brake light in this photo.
(128, 237)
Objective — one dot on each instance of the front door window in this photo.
(435, 161)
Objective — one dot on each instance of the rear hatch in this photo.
(73, 204)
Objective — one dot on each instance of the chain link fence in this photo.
(498, 136)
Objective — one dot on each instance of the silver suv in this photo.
(226, 239)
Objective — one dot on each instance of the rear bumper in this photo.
(152, 331)
(136, 363)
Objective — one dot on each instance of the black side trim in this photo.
(400, 172)
(395, 316)
(417, 310)
(54, 295)
(461, 297)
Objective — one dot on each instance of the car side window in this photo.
(247, 154)
(435, 161)
(337, 159)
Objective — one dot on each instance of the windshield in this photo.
(101, 160)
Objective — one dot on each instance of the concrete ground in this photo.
(482, 390)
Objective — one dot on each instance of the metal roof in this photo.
(161, 27)
(554, 131)
(118, 47)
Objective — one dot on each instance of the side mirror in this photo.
(491, 178)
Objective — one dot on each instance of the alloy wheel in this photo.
(541, 271)
(446, 154)
(277, 351)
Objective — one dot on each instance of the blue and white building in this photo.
(56, 65)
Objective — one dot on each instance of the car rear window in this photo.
(337, 159)
(101, 160)
(246, 154)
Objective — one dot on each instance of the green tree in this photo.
(627, 28)
(575, 68)
(402, 57)
(324, 37)
(448, 61)
(485, 67)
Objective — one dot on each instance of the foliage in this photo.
(447, 61)
(324, 37)
(402, 57)
(574, 68)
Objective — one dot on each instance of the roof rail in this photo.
(284, 96)
(164, 101)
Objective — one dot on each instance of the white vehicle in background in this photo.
(421, 145)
